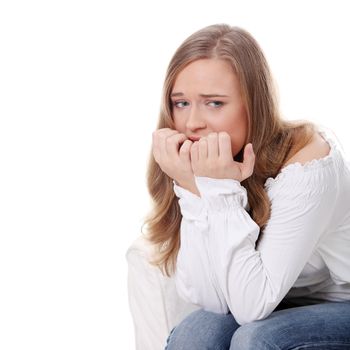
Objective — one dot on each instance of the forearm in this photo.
(254, 279)
(195, 280)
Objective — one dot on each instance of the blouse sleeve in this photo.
(254, 279)
(194, 278)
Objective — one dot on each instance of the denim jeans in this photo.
(292, 325)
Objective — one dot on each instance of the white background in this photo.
(80, 88)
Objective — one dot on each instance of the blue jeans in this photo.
(292, 326)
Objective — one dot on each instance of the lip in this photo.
(194, 138)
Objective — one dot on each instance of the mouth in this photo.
(194, 138)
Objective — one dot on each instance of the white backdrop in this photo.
(80, 87)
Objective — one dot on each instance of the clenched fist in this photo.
(211, 156)
(171, 150)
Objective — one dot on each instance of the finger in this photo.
(173, 144)
(159, 134)
(158, 141)
(155, 145)
(163, 135)
(203, 148)
(185, 150)
(225, 148)
(194, 152)
(213, 146)
(162, 130)
(247, 167)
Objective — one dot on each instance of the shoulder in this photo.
(318, 148)
(319, 161)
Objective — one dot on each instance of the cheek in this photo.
(238, 125)
(238, 131)
(231, 126)
(178, 125)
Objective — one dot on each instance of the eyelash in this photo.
(175, 103)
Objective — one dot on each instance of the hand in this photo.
(211, 156)
(173, 159)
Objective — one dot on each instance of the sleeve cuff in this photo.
(220, 194)
(192, 207)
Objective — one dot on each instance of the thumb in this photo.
(247, 166)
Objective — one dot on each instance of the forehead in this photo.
(206, 74)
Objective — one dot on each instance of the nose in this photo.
(195, 120)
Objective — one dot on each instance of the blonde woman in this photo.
(251, 212)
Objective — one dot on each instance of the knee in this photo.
(202, 330)
(251, 336)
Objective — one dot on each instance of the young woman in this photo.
(251, 212)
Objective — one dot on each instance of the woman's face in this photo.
(206, 98)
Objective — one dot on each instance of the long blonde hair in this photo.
(274, 140)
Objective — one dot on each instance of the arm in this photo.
(193, 267)
(195, 280)
(255, 279)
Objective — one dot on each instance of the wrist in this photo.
(191, 187)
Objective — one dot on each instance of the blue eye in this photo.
(182, 104)
(176, 104)
(218, 103)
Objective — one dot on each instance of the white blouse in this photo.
(304, 250)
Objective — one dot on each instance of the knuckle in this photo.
(180, 136)
(224, 134)
(168, 139)
(166, 131)
(160, 131)
(173, 137)
(195, 144)
(155, 134)
(184, 149)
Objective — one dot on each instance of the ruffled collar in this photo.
(335, 151)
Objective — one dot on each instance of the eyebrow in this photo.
(202, 95)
